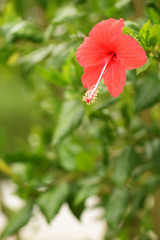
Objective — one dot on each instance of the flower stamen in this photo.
(91, 94)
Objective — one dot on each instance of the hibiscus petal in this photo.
(129, 51)
(115, 77)
(103, 31)
(90, 54)
(95, 48)
(90, 76)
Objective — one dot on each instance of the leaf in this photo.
(132, 25)
(24, 30)
(155, 153)
(85, 161)
(5, 168)
(145, 31)
(67, 154)
(70, 117)
(144, 236)
(51, 75)
(152, 183)
(23, 157)
(125, 164)
(153, 14)
(85, 192)
(106, 103)
(5, 28)
(138, 199)
(67, 13)
(143, 68)
(68, 70)
(154, 35)
(18, 220)
(140, 195)
(72, 156)
(37, 56)
(156, 150)
(148, 93)
(116, 206)
(122, 3)
(129, 31)
(60, 54)
(51, 201)
(77, 209)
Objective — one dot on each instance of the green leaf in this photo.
(37, 56)
(77, 209)
(68, 69)
(145, 31)
(143, 68)
(24, 30)
(155, 153)
(138, 199)
(60, 54)
(85, 192)
(130, 32)
(51, 201)
(67, 13)
(116, 206)
(51, 74)
(23, 157)
(125, 164)
(18, 220)
(144, 236)
(72, 156)
(154, 35)
(153, 14)
(148, 93)
(122, 3)
(70, 117)
(85, 161)
(106, 103)
(67, 155)
(132, 25)
(152, 182)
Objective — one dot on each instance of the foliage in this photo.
(54, 147)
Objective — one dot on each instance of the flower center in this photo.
(91, 95)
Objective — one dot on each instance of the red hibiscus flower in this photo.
(107, 53)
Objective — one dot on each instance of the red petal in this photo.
(115, 77)
(90, 76)
(89, 54)
(129, 51)
(103, 31)
(95, 48)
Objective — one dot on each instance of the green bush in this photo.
(55, 148)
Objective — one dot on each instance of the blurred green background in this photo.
(54, 147)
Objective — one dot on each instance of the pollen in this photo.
(91, 95)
